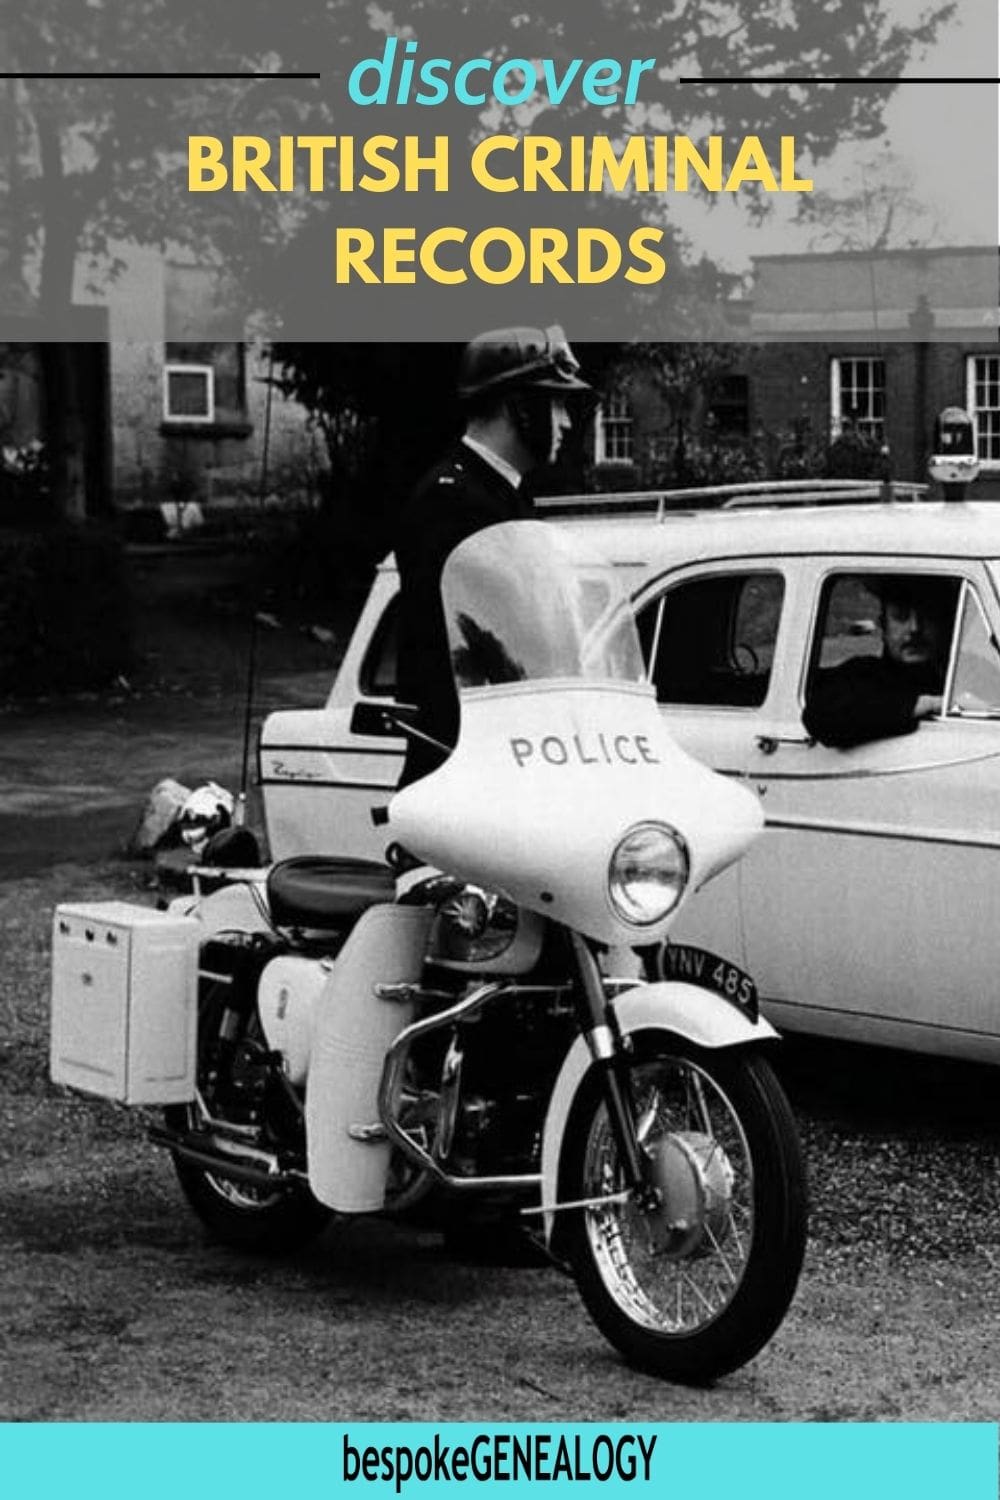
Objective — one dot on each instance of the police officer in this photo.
(515, 385)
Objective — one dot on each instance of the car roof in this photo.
(904, 529)
(936, 529)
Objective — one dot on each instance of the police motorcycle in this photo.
(474, 1036)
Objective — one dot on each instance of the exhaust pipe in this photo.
(258, 1168)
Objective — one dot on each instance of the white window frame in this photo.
(204, 418)
(656, 596)
(968, 593)
(989, 438)
(617, 412)
(864, 424)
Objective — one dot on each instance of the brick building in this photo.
(877, 345)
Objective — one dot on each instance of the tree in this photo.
(880, 210)
(88, 165)
(722, 39)
(385, 412)
(84, 165)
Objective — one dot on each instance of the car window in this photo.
(975, 679)
(850, 620)
(377, 676)
(710, 640)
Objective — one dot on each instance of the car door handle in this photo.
(382, 719)
(768, 743)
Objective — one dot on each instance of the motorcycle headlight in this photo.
(647, 874)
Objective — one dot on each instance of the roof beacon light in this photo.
(954, 462)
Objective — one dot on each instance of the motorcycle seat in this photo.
(325, 893)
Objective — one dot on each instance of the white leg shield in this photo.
(354, 1030)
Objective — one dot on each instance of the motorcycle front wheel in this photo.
(692, 1283)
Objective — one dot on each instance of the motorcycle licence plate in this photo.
(698, 966)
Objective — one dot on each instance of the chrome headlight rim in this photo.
(493, 928)
(616, 894)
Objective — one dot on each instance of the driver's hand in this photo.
(928, 705)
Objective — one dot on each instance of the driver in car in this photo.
(874, 697)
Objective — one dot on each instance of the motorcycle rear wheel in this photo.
(266, 1219)
(695, 1287)
(263, 1220)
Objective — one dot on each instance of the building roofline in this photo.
(936, 252)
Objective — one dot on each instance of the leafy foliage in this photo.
(85, 166)
(855, 455)
(89, 163)
(24, 482)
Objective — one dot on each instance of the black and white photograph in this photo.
(499, 713)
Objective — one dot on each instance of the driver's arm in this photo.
(858, 702)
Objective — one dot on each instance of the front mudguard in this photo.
(683, 1010)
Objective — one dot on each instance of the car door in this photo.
(322, 771)
(715, 638)
(872, 902)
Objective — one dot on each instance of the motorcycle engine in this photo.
(502, 1068)
(477, 1094)
(239, 1080)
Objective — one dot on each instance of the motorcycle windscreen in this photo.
(561, 750)
(526, 602)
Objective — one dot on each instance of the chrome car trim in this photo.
(913, 1023)
(957, 627)
(353, 749)
(885, 831)
(866, 773)
(322, 783)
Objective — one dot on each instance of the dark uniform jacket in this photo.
(866, 698)
(459, 497)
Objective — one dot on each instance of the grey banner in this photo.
(748, 171)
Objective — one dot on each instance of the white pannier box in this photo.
(125, 1002)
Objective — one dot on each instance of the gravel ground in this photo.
(114, 1307)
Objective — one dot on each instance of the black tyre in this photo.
(272, 1221)
(267, 1219)
(694, 1287)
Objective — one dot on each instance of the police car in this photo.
(870, 907)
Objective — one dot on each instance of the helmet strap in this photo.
(531, 415)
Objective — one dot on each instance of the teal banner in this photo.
(780, 1461)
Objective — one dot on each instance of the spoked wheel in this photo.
(691, 1283)
(270, 1220)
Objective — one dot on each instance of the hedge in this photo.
(65, 615)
